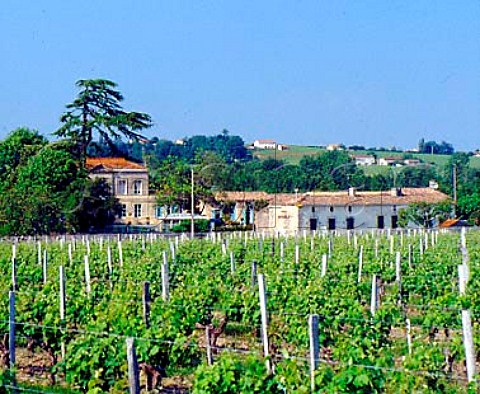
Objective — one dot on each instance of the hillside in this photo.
(295, 153)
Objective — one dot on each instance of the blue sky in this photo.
(375, 73)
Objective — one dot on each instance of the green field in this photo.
(292, 156)
(295, 153)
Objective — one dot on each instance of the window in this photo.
(380, 222)
(159, 211)
(394, 221)
(313, 209)
(394, 208)
(350, 223)
(313, 224)
(137, 187)
(331, 224)
(137, 210)
(124, 211)
(216, 214)
(248, 215)
(122, 187)
(350, 208)
(331, 209)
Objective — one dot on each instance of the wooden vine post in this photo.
(324, 265)
(208, 335)
(232, 262)
(62, 295)
(165, 282)
(374, 296)
(110, 266)
(45, 264)
(254, 274)
(360, 264)
(314, 348)
(262, 291)
(468, 344)
(87, 274)
(463, 276)
(133, 372)
(146, 299)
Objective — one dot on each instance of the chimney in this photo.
(352, 192)
(395, 191)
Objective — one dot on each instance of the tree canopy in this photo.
(45, 190)
(97, 110)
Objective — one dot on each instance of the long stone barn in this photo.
(343, 210)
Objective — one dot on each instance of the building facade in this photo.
(129, 183)
(265, 144)
(364, 160)
(345, 210)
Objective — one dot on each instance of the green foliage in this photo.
(424, 214)
(44, 196)
(97, 110)
(331, 170)
(231, 375)
(98, 208)
(201, 226)
(15, 151)
(432, 147)
(359, 353)
(416, 176)
(45, 190)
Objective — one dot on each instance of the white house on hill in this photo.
(364, 160)
(265, 144)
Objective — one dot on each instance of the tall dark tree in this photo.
(97, 110)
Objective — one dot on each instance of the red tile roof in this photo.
(408, 196)
(113, 163)
(266, 141)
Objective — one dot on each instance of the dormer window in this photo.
(137, 187)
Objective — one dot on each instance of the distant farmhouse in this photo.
(397, 161)
(364, 160)
(331, 147)
(389, 161)
(268, 144)
(412, 162)
(344, 210)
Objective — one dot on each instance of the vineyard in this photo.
(371, 312)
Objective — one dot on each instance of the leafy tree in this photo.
(424, 214)
(44, 190)
(416, 176)
(432, 147)
(378, 181)
(171, 181)
(468, 206)
(98, 207)
(97, 110)
(16, 149)
(44, 196)
(333, 170)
